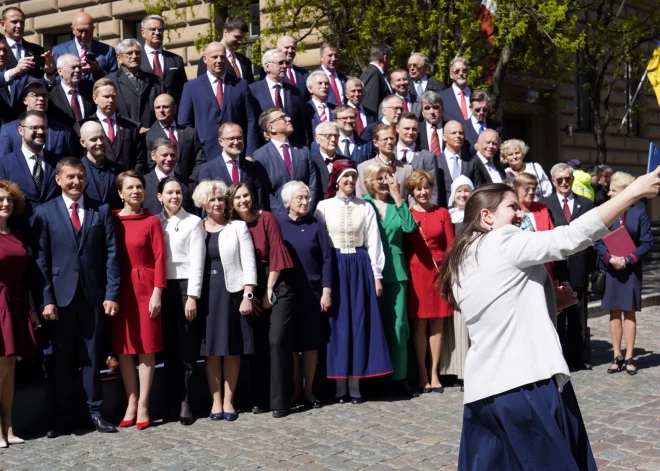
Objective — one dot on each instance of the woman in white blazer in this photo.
(230, 276)
(184, 242)
(520, 410)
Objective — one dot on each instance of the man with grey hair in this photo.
(97, 59)
(479, 119)
(295, 75)
(565, 206)
(163, 64)
(71, 98)
(354, 97)
(318, 109)
(457, 97)
(136, 89)
(490, 168)
(272, 91)
(420, 81)
(327, 138)
(392, 109)
(376, 83)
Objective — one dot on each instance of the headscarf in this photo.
(455, 213)
(339, 169)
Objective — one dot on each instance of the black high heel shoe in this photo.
(629, 362)
(618, 361)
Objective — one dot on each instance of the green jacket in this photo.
(397, 222)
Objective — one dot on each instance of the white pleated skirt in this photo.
(455, 344)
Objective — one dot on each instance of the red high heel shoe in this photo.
(143, 425)
(128, 423)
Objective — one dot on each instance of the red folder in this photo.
(619, 243)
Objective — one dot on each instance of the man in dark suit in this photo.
(100, 173)
(407, 152)
(136, 89)
(488, 165)
(283, 161)
(455, 160)
(349, 145)
(238, 65)
(70, 100)
(354, 97)
(190, 150)
(318, 109)
(78, 284)
(420, 80)
(164, 153)
(392, 108)
(401, 87)
(31, 167)
(272, 91)
(206, 109)
(58, 138)
(13, 22)
(327, 152)
(431, 124)
(97, 58)
(163, 64)
(231, 167)
(124, 144)
(336, 80)
(374, 78)
(296, 76)
(457, 97)
(565, 206)
(479, 120)
(602, 188)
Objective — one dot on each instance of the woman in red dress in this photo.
(17, 315)
(426, 249)
(136, 327)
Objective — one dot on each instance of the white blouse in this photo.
(507, 300)
(186, 249)
(544, 188)
(352, 224)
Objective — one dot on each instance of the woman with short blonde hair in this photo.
(513, 153)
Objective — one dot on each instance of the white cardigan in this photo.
(237, 255)
(508, 302)
(186, 250)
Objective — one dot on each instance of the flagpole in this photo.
(632, 102)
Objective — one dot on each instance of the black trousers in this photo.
(180, 343)
(573, 332)
(77, 334)
(272, 365)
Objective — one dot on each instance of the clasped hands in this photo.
(619, 263)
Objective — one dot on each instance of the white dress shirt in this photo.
(335, 77)
(450, 157)
(79, 99)
(467, 92)
(161, 175)
(326, 156)
(571, 201)
(278, 146)
(186, 249)
(342, 144)
(429, 132)
(423, 82)
(81, 207)
(507, 300)
(271, 89)
(318, 105)
(214, 83)
(475, 123)
(148, 50)
(490, 168)
(102, 119)
(31, 161)
(228, 163)
(231, 58)
(359, 114)
(409, 151)
(16, 48)
(167, 130)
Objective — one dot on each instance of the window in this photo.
(255, 19)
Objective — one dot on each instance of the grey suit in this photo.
(443, 182)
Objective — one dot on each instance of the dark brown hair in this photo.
(231, 193)
(15, 193)
(73, 162)
(129, 174)
(486, 197)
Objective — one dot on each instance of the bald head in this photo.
(215, 58)
(453, 135)
(89, 128)
(287, 45)
(165, 109)
(92, 138)
(82, 27)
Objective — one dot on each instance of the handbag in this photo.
(597, 282)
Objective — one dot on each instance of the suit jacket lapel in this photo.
(223, 169)
(65, 219)
(390, 212)
(294, 162)
(226, 96)
(277, 158)
(49, 176)
(87, 222)
(119, 138)
(123, 79)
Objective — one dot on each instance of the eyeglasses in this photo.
(37, 95)
(459, 71)
(278, 63)
(300, 199)
(330, 137)
(530, 189)
(283, 117)
(233, 139)
(34, 128)
(381, 179)
(562, 180)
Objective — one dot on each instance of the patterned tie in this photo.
(278, 97)
(322, 114)
(526, 224)
(75, 219)
(218, 93)
(75, 106)
(111, 130)
(435, 142)
(567, 210)
(83, 52)
(481, 126)
(38, 173)
(419, 88)
(359, 126)
(235, 66)
(234, 170)
(405, 105)
(404, 159)
(335, 90)
(347, 147)
(170, 131)
(292, 77)
(463, 105)
(158, 72)
(287, 159)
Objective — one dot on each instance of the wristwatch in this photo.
(248, 295)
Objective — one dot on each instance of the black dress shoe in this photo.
(343, 399)
(258, 410)
(102, 425)
(440, 390)
(402, 388)
(424, 390)
(55, 432)
(280, 413)
(186, 420)
(315, 404)
(357, 400)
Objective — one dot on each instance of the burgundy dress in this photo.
(142, 255)
(424, 299)
(17, 336)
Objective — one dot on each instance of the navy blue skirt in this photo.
(534, 427)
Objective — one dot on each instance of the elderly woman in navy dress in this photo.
(309, 246)
(623, 277)
(357, 347)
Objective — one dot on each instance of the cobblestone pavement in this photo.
(622, 415)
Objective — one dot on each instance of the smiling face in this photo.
(380, 187)
(488, 143)
(171, 197)
(71, 71)
(407, 129)
(355, 93)
(71, 180)
(422, 194)
(507, 212)
(330, 58)
(563, 182)
(615, 189)
(165, 158)
(37, 99)
(385, 141)
(346, 184)
(399, 82)
(6, 204)
(461, 196)
(287, 45)
(514, 157)
(242, 202)
(34, 132)
(526, 195)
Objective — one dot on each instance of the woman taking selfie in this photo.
(516, 377)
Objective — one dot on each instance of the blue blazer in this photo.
(105, 56)
(300, 76)
(14, 167)
(10, 94)
(304, 170)
(66, 260)
(331, 96)
(60, 140)
(363, 150)
(292, 106)
(250, 173)
(451, 110)
(312, 119)
(199, 109)
(110, 196)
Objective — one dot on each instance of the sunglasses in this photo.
(562, 180)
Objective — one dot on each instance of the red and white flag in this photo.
(487, 10)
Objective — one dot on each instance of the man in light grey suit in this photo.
(406, 152)
(283, 161)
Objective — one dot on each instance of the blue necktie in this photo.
(481, 126)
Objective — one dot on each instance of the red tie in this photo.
(287, 159)
(404, 158)
(158, 72)
(111, 130)
(405, 105)
(83, 53)
(463, 105)
(173, 138)
(567, 210)
(359, 126)
(278, 97)
(435, 142)
(75, 106)
(322, 114)
(335, 90)
(218, 93)
(75, 220)
(234, 170)
(234, 65)
(292, 77)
